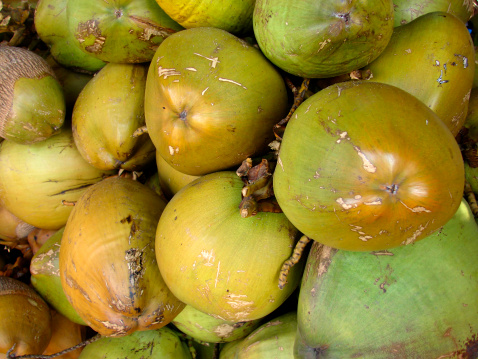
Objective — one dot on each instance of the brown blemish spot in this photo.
(89, 29)
(128, 219)
(324, 256)
(150, 29)
(134, 261)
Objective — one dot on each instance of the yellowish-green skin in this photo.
(366, 166)
(211, 100)
(161, 343)
(229, 265)
(107, 112)
(440, 73)
(37, 112)
(206, 328)
(120, 31)
(51, 24)
(230, 15)
(170, 179)
(321, 39)
(408, 10)
(274, 339)
(36, 178)
(409, 302)
(45, 277)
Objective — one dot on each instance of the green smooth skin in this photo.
(325, 38)
(38, 110)
(366, 166)
(417, 301)
(161, 343)
(52, 170)
(211, 100)
(206, 328)
(51, 25)
(439, 73)
(274, 339)
(229, 266)
(230, 15)
(408, 10)
(45, 277)
(107, 112)
(170, 179)
(120, 31)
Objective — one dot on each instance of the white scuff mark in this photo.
(416, 209)
(214, 60)
(415, 234)
(209, 257)
(279, 161)
(344, 205)
(175, 80)
(367, 165)
(322, 44)
(204, 91)
(376, 202)
(342, 136)
(165, 73)
(191, 69)
(235, 301)
(118, 329)
(224, 330)
(358, 197)
(173, 150)
(355, 228)
(308, 108)
(217, 274)
(408, 51)
(440, 79)
(365, 238)
(232, 82)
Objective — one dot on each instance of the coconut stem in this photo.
(138, 132)
(39, 356)
(299, 97)
(293, 260)
(471, 199)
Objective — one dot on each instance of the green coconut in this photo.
(160, 343)
(32, 104)
(206, 328)
(416, 301)
(440, 73)
(120, 31)
(55, 175)
(109, 109)
(45, 277)
(51, 24)
(408, 10)
(322, 38)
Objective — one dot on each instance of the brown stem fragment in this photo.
(293, 260)
(471, 199)
(299, 97)
(40, 356)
